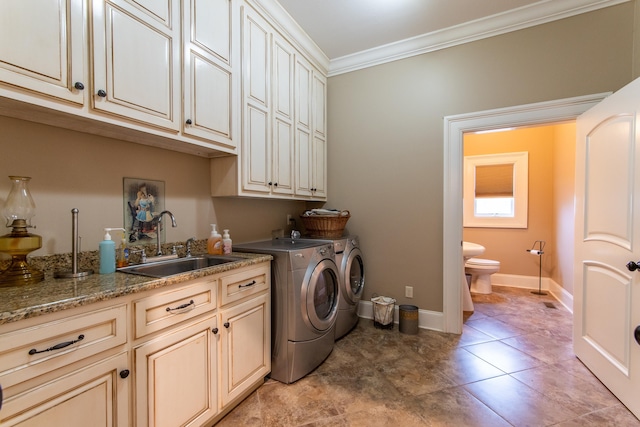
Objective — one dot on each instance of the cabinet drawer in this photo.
(166, 309)
(27, 353)
(93, 395)
(235, 287)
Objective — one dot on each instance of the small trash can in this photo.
(408, 317)
(383, 308)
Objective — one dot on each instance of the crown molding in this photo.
(513, 20)
(288, 27)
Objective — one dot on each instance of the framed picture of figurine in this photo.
(143, 200)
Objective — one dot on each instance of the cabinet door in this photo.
(176, 377)
(246, 346)
(41, 47)
(210, 90)
(319, 108)
(303, 139)
(136, 60)
(282, 141)
(95, 395)
(256, 147)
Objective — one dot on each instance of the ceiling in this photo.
(343, 27)
(350, 32)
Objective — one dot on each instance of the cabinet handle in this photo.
(180, 307)
(270, 183)
(188, 121)
(124, 373)
(78, 86)
(102, 93)
(253, 282)
(226, 325)
(214, 330)
(276, 184)
(57, 346)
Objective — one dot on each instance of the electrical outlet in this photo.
(289, 218)
(408, 291)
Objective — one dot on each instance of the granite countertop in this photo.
(51, 295)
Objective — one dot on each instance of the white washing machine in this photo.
(351, 268)
(304, 303)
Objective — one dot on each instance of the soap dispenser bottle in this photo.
(107, 250)
(226, 242)
(214, 243)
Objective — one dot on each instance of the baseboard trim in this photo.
(427, 319)
(533, 282)
(434, 320)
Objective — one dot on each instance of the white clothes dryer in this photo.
(304, 303)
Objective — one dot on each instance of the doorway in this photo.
(454, 129)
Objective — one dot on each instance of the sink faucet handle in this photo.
(190, 240)
(174, 251)
(143, 255)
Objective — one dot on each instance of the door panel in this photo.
(607, 295)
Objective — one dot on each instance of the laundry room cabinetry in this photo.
(267, 149)
(42, 55)
(245, 316)
(201, 347)
(70, 370)
(311, 135)
(147, 71)
(136, 60)
(276, 160)
(177, 370)
(211, 78)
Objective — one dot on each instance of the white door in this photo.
(607, 294)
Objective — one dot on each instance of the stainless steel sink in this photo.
(178, 266)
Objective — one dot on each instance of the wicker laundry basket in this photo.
(325, 225)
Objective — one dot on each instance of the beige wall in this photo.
(385, 149)
(76, 170)
(550, 212)
(386, 131)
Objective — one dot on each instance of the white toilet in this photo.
(481, 270)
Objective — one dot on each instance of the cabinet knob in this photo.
(78, 86)
(276, 184)
(270, 183)
(188, 121)
(124, 373)
(226, 325)
(102, 93)
(214, 330)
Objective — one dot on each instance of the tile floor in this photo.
(512, 366)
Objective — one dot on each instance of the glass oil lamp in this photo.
(18, 211)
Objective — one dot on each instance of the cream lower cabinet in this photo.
(93, 395)
(68, 369)
(177, 377)
(182, 355)
(203, 347)
(245, 348)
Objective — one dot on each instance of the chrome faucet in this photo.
(158, 220)
(190, 241)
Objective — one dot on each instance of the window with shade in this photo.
(496, 190)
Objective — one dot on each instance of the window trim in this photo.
(520, 161)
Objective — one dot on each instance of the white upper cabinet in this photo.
(283, 123)
(211, 69)
(136, 65)
(310, 141)
(256, 144)
(41, 54)
(268, 121)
